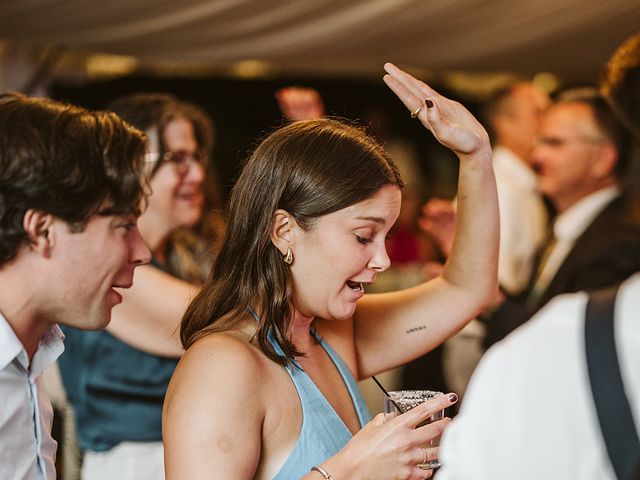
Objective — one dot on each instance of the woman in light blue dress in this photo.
(282, 329)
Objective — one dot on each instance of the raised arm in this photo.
(394, 328)
(149, 316)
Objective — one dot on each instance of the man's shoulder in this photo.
(613, 234)
(623, 211)
(545, 323)
(550, 329)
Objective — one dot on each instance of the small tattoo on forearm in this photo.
(415, 329)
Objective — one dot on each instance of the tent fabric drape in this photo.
(568, 37)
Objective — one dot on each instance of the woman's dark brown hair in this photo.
(310, 169)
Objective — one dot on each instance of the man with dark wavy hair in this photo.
(71, 189)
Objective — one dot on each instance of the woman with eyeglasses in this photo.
(116, 379)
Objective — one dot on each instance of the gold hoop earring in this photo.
(288, 257)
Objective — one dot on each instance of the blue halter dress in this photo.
(323, 433)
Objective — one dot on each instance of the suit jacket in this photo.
(606, 253)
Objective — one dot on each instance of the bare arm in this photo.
(394, 328)
(212, 417)
(149, 316)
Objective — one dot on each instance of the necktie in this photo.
(539, 284)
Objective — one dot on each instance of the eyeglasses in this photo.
(557, 142)
(181, 159)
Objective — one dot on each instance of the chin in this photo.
(544, 188)
(344, 313)
(91, 322)
(100, 321)
(190, 219)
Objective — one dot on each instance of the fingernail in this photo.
(428, 103)
(453, 398)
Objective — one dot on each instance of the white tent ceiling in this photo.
(571, 38)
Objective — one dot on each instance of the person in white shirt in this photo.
(545, 424)
(512, 116)
(581, 157)
(528, 412)
(71, 190)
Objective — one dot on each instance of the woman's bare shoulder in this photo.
(224, 351)
(217, 369)
(215, 401)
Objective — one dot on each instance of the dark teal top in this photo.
(116, 390)
(323, 433)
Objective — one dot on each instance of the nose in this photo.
(380, 260)
(537, 155)
(195, 171)
(139, 253)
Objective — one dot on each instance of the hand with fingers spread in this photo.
(431, 270)
(449, 121)
(438, 220)
(393, 448)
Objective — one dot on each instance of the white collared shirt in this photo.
(523, 219)
(568, 226)
(528, 412)
(27, 450)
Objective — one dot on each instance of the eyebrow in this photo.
(373, 219)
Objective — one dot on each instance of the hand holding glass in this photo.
(401, 401)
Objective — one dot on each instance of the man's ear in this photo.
(502, 125)
(607, 160)
(36, 224)
(282, 225)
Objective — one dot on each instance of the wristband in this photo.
(322, 472)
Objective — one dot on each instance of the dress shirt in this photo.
(523, 219)
(523, 226)
(27, 450)
(568, 226)
(529, 412)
